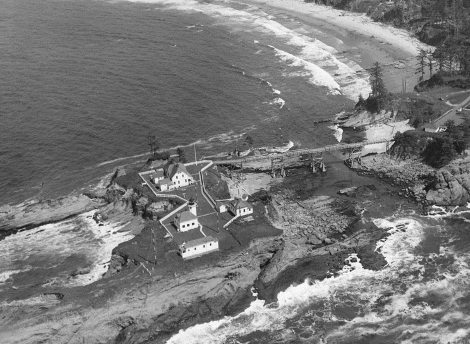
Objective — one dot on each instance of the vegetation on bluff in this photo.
(435, 149)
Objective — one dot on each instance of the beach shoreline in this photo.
(395, 49)
(208, 286)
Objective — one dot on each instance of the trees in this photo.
(378, 96)
(422, 62)
(430, 61)
(182, 155)
(376, 81)
(153, 143)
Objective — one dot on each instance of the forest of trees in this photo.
(444, 24)
(436, 149)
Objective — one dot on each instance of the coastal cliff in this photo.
(149, 292)
(447, 186)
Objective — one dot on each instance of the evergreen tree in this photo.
(376, 81)
(182, 155)
(430, 62)
(422, 57)
(379, 93)
(153, 143)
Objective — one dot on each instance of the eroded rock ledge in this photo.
(448, 186)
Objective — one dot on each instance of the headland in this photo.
(309, 215)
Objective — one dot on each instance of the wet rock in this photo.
(81, 271)
(157, 208)
(313, 240)
(43, 212)
(351, 192)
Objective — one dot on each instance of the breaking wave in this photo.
(412, 300)
(78, 244)
(317, 58)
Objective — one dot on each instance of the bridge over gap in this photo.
(298, 152)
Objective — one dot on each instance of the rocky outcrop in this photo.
(14, 218)
(145, 311)
(360, 118)
(118, 261)
(447, 186)
(155, 209)
(314, 242)
(451, 184)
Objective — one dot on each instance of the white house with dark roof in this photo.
(165, 184)
(179, 175)
(186, 221)
(240, 207)
(158, 175)
(198, 247)
(222, 206)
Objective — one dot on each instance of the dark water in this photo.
(85, 82)
(420, 296)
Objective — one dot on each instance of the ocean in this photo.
(420, 296)
(85, 82)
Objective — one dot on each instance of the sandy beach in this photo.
(371, 41)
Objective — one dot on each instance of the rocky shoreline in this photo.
(34, 214)
(144, 298)
(448, 186)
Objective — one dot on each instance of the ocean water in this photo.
(85, 82)
(420, 296)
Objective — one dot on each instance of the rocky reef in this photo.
(447, 186)
(33, 214)
(149, 292)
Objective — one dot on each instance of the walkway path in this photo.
(297, 152)
(453, 114)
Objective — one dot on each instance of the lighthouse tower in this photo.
(192, 206)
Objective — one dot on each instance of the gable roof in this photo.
(220, 203)
(176, 168)
(186, 216)
(200, 241)
(158, 174)
(430, 126)
(240, 204)
(165, 181)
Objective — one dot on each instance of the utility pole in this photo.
(195, 157)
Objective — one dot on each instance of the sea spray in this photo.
(338, 132)
(354, 284)
(80, 241)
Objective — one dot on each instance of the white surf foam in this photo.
(338, 132)
(51, 244)
(317, 76)
(315, 55)
(358, 284)
(279, 101)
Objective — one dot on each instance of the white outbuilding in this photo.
(240, 207)
(186, 221)
(198, 247)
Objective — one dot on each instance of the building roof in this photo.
(219, 203)
(188, 236)
(165, 181)
(186, 216)
(176, 168)
(240, 204)
(200, 241)
(430, 126)
(158, 174)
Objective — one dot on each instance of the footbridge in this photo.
(299, 152)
